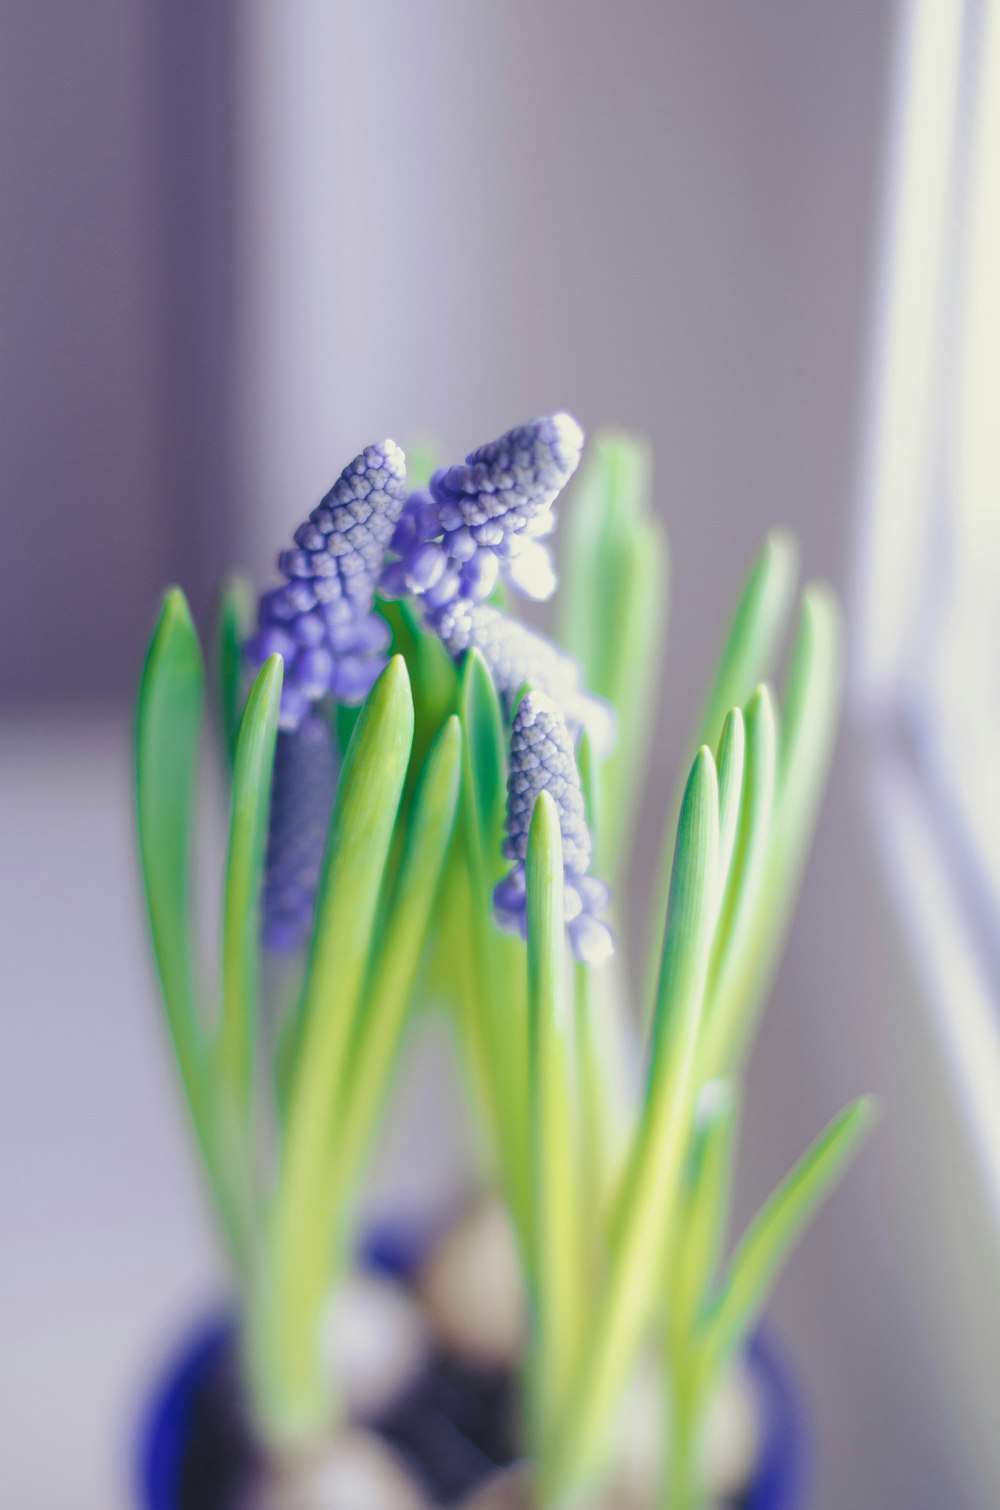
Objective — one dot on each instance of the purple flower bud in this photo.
(500, 497)
(478, 576)
(354, 677)
(522, 472)
(393, 583)
(592, 941)
(515, 655)
(531, 572)
(312, 670)
(542, 760)
(331, 577)
(424, 565)
(445, 590)
(301, 804)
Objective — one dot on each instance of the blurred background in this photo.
(239, 242)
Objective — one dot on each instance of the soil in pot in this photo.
(430, 1355)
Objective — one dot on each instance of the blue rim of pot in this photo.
(779, 1483)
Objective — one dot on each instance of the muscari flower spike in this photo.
(542, 759)
(485, 516)
(305, 774)
(321, 620)
(517, 655)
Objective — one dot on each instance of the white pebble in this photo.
(355, 1472)
(733, 1431)
(510, 1489)
(472, 1290)
(376, 1342)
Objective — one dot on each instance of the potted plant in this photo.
(428, 800)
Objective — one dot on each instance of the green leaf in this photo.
(304, 1218)
(743, 916)
(706, 1205)
(730, 761)
(234, 625)
(390, 989)
(611, 500)
(494, 1020)
(555, 1239)
(756, 627)
(254, 762)
(586, 763)
(344, 722)
(691, 918)
(613, 604)
(167, 729)
(769, 1241)
(168, 722)
(808, 729)
(647, 1206)
(485, 757)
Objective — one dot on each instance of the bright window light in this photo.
(927, 669)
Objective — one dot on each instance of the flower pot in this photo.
(166, 1434)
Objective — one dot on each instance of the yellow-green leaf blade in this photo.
(168, 722)
(388, 994)
(233, 628)
(252, 770)
(755, 630)
(771, 1236)
(647, 1204)
(554, 1242)
(304, 1219)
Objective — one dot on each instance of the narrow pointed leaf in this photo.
(586, 763)
(756, 628)
(304, 1219)
(484, 757)
(253, 765)
(498, 1014)
(808, 729)
(647, 1206)
(556, 1230)
(808, 725)
(390, 989)
(769, 1241)
(613, 604)
(742, 916)
(234, 626)
(167, 729)
(706, 1209)
(168, 722)
(730, 763)
(754, 633)
(344, 723)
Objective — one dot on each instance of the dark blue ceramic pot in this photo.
(780, 1483)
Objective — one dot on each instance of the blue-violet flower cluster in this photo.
(485, 516)
(305, 771)
(517, 655)
(451, 543)
(542, 760)
(321, 620)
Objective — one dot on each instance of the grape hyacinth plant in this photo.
(431, 810)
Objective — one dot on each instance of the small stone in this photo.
(376, 1342)
(354, 1472)
(733, 1432)
(510, 1489)
(639, 1443)
(472, 1290)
